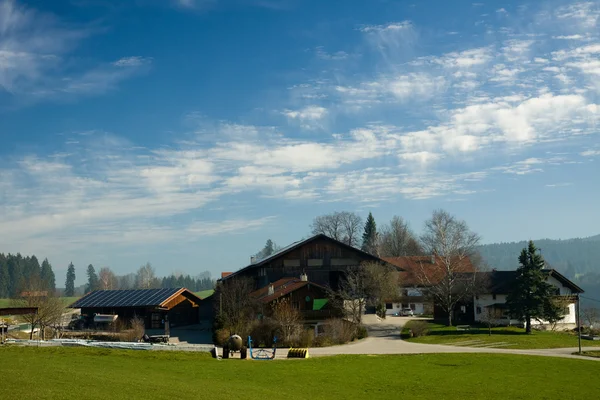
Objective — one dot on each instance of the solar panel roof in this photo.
(125, 298)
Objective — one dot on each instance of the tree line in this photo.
(19, 273)
(16, 271)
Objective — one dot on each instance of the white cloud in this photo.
(337, 56)
(310, 117)
(583, 14)
(591, 153)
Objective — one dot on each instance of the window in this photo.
(389, 306)
(413, 307)
(463, 309)
(478, 310)
(494, 297)
(567, 311)
(404, 305)
(262, 272)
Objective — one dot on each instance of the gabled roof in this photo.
(296, 245)
(281, 288)
(415, 270)
(132, 298)
(501, 282)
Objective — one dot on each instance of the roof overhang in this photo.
(18, 310)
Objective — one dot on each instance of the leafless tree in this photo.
(453, 244)
(591, 315)
(287, 318)
(490, 316)
(235, 308)
(49, 307)
(397, 240)
(145, 278)
(370, 283)
(343, 226)
(107, 279)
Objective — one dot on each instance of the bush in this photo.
(220, 336)
(263, 332)
(306, 338)
(380, 311)
(361, 332)
(419, 328)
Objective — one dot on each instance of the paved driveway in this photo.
(384, 338)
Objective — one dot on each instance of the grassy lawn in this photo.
(122, 374)
(510, 337)
(204, 293)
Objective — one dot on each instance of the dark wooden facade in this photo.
(324, 260)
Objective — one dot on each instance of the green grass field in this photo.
(204, 293)
(120, 374)
(515, 337)
(66, 300)
(595, 354)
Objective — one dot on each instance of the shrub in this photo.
(380, 311)
(306, 338)
(264, 331)
(136, 330)
(220, 336)
(419, 328)
(361, 332)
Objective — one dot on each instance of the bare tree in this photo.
(397, 240)
(145, 278)
(382, 284)
(452, 244)
(591, 315)
(107, 279)
(343, 226)
(368, 284)
(49, 308)
(235, 308)
(288, 318)
(490, 316)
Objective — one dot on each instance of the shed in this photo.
(179, 306)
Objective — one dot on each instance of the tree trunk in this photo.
(31, 332)
(449, 318)
(528, 324)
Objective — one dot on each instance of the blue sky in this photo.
(186, 133)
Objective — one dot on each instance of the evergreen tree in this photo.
(70, 282)
(369, 236)
(531, 296)
(4, 277)
(93, 283)
(47, 277)
(15, 273)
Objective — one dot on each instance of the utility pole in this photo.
(579, 321)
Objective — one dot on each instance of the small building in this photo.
(178, 306)
(309, 298)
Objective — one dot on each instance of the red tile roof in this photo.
(419, 269)
(224, 274)
(280, 288)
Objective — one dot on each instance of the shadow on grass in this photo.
(437, 329)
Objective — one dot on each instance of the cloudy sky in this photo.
(186, 133)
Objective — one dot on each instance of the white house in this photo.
(492, 305)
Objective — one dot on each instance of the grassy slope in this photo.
(440, 334)
(66, 300)
(204, 293)
(99, 373)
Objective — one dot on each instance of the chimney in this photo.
(271, 290)
(304, 277)
(252, 259)
(433, 258)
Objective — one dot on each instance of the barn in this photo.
(177, 306)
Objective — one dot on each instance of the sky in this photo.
(186, 133)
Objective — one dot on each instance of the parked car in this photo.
(407, 312)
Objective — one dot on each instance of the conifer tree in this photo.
(531, 296)
(70, 282)
(369, 237)
(47, 276)
(93, 283)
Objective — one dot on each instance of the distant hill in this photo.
(578, 259)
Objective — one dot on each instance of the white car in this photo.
(407, 312)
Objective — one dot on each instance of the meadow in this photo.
(504, 337)
(129, 374)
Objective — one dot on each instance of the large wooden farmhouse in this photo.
(324, 261)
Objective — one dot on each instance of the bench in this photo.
(463, 327)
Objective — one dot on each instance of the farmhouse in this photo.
(416, 274)
(324, 261)
(491, 302)
(176, 306)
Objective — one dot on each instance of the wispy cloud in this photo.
(35, 49)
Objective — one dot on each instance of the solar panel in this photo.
(125, 298)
